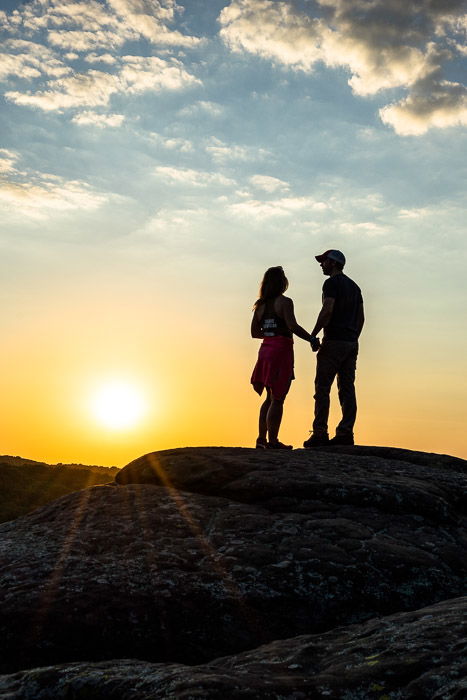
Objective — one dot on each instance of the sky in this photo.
(157, 156)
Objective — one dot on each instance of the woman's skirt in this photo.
(274, 368)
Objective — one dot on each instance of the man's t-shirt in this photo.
(348, 297)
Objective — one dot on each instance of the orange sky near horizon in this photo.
(194, 372)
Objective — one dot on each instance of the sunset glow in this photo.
(157, 157)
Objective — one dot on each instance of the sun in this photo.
(118, 404)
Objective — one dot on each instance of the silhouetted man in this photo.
(341, 319)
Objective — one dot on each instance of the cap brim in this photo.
(320, 258)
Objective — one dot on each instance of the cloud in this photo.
(178, 222)
(38, 200)
(28, 60)
(202, 107)
(415, 213)
(140, 73)
(177, 144)
(443, 105)
(94, 88)
(272, 30)
(79, 40)
(285, 206)
(172, 143)
(91, 89)
(221, 151)
(368, 229)
(7, 160)
(63, 31)
(114, 22)
(99, 120)
(37, 195)
(149, 19)
(268, 183)
(194, 178)
(100, 58)
(384, 44)
(65, 14)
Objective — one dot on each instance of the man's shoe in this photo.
(279, 446)
(261, 443)
(342, 439)
(316, 441)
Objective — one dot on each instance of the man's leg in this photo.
(326, 369)
(346, 391)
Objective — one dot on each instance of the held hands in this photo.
(315, 343)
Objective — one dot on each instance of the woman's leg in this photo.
(263, 412)
(274, 417)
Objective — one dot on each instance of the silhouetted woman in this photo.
(274, 321)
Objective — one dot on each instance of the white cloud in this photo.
(202, 107)
(114, 22)
(39, 200)
(140, 73)
(175, 220)
(100, 31)
(177, 144)
(443, 106)
(100, 58)
(29, 60)
(94, 88)
(68, 14)
(383, 43)
(272, 30)
(369, 229)
(7, 160)
(285, 206)
(221, 151)
(80, 40)
(194, 178)
(268, 183)
(100, 120)
(416, 213)
(375, 69)
(149, 19)
(172, 143)
(38, 195)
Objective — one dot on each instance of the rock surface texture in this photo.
(419, 655)
(200, 553)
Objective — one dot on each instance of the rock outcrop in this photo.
(200, 553)
(419, 655)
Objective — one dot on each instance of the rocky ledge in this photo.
(200, 553)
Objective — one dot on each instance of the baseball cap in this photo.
(332, 255)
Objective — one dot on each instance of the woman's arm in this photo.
(256, 326)
(289, 318)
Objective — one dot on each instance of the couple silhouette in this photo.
(341, 319)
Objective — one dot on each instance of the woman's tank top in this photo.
(272, 324)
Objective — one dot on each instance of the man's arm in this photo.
(324, 316)
(289, 318)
